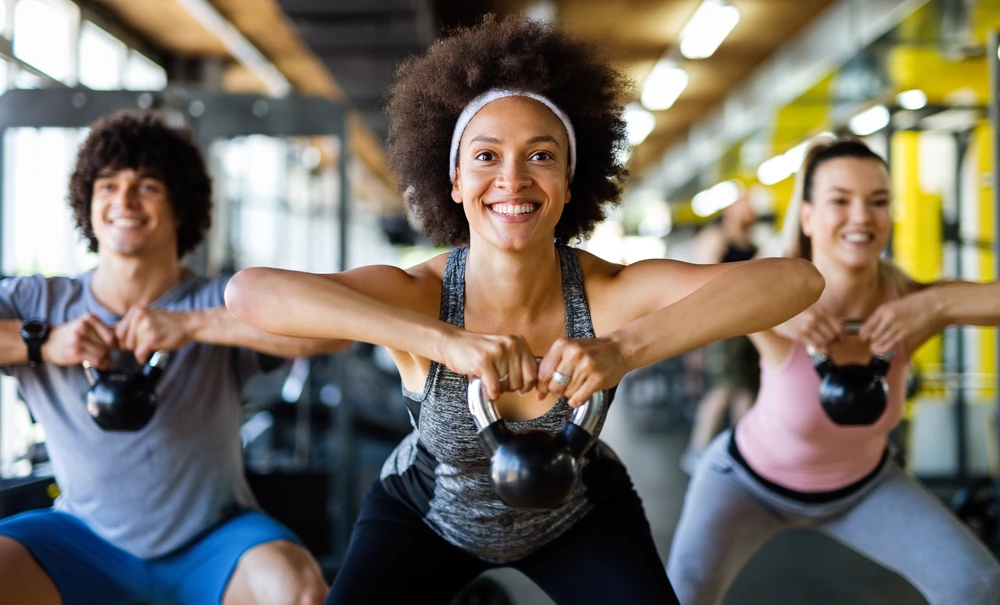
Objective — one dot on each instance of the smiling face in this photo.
(513, 177)
(131, 214)
(847, 216)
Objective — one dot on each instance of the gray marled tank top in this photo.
(441, 471)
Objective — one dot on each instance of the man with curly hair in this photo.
(504, 139)
(163, 513)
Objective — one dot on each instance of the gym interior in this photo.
(287, 101)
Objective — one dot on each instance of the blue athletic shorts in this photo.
(88, 570)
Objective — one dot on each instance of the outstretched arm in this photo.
(662, 308)
(145, 330)
(380, 305)
(914, 318)
(750, 297)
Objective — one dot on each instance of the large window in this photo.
(102, 58)
(39, 235)
(45, 36)
(142, 73)
(277, 204)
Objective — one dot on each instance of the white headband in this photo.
(498, 93)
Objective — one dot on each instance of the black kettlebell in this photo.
(121, 400)
(533, 468)
(853, 394)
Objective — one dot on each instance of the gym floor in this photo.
(798, 566)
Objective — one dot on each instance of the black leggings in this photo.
(607, 557)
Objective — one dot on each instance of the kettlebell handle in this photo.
(156, 364)
(93, 374)
(153, 368)
(484, 410)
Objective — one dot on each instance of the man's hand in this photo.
(144, 331)
(85, 339)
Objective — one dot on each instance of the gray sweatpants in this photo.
(894, 521)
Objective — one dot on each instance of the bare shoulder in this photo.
(425, 282)
(595, 267)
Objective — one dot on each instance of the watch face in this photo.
(34, 328)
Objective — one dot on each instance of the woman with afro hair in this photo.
(505, 141)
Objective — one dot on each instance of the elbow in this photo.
(240, 295)
(811, 281)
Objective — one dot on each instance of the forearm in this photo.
(754, 297)
(313, 306)
(218, 326)
(13, 351)
(964, 303)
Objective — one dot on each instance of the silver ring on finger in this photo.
(504, 377)
(560, 378)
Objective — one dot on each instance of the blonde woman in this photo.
(787, 463)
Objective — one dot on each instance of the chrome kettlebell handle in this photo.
(484, 410)
(819, 358)
(93, 374)
(157, 361)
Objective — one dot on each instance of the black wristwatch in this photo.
(35, 332)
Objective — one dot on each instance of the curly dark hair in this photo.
(515, 53)
(143, 141)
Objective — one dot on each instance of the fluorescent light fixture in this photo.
(912, 99)
(543, 11)
(241, 48)
(772, 171)
(708, 27)
(639, 123)
(794, 156)
(665, 83)
(780, 167)
(710, 201)
(870, 120)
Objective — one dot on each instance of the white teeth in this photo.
(513, 209)
(859, 237)
(126, 222)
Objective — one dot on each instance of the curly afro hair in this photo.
(515, 53)
(142, 141)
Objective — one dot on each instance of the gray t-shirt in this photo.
(152, 491)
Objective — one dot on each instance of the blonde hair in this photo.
(796, 244)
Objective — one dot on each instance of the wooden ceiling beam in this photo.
(264, 24)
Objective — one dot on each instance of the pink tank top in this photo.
(788, 439)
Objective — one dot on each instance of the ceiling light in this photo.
(665, 83)
(241, 48)
(722, 195)
(639, 123)
(543, 11)
(708, 27)
(870, 121)
(780, 167)
(912, 99)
